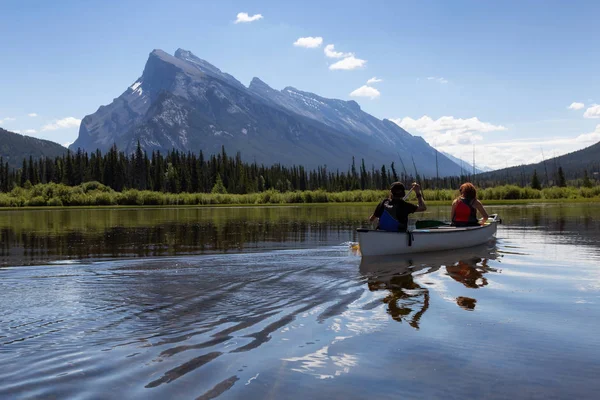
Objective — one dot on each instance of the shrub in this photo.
(36, 201)
(95, 185)
(54, 202)
(103, 199)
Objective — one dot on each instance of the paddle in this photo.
(429, 223)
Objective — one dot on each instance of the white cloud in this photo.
(514, 152)
(331, 53)
(437, 79)
(448, 131)
(449, 124)
(30, 131)
(527, 151)
(591, 138)
(366, 91)
(32, 115)
(309, 42)
(7, 119)
(576, 106)
(69, 122)
(348, 63)
(592, 112)
(67, 144)
(374, 80)
(17, 131)
(244, 17)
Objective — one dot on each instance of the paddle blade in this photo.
(429, 223)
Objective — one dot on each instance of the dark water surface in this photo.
(272, 303)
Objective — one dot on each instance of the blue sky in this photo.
(496, 77)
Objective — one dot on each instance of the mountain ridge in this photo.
(14, 147)
(183, 102)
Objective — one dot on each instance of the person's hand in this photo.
(416, 187)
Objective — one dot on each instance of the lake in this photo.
(273, 303)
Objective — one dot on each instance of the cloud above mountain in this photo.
(68, 122)
(309, 42)
(447, 125)
(244, 17)
(576, 106)
(366, 91)
(330, 52)
(592, 111)
(348, 63)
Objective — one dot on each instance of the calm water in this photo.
(271, 303)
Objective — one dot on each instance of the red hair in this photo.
(468, 191)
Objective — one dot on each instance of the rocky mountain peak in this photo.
(183, 102)
(206, 67)
(256, 83)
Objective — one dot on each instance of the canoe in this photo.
(380, 243)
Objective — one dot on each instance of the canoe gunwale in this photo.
(429, 231)
(374, 242)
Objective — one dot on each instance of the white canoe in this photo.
(380, 243)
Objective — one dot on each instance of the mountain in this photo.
(467, 168)
(573, 164)
(183, 102)
(15, 147)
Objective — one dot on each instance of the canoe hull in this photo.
(380, 243)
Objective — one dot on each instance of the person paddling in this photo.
(393, 212)
(465, 207)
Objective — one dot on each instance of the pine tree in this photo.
(394, 174)
(561, 178)
(586, 179)
(535, 182)
(219, 187)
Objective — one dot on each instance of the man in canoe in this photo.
(465, 207)
(393, 212)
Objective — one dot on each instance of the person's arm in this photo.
(377, 213)
(484, 213)
(419, 194)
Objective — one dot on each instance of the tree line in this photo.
(181, 172)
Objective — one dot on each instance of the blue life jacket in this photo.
(388, 223)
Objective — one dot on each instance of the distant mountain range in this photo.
(15, 147)
(182, 102)
(467, 168)
(573, 164)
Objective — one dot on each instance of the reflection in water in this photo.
(33, 237)
(309, 321)
(408, 300)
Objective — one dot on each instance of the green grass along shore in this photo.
(95, 194)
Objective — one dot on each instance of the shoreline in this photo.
(266, 205)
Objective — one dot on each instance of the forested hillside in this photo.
(15, 147)
(574, 166)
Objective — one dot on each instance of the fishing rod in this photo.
(403, 167)
(545, 168)
(415, 166)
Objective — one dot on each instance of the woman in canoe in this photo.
(465, 207)
(393, 211)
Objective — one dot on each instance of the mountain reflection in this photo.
(407, 299)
